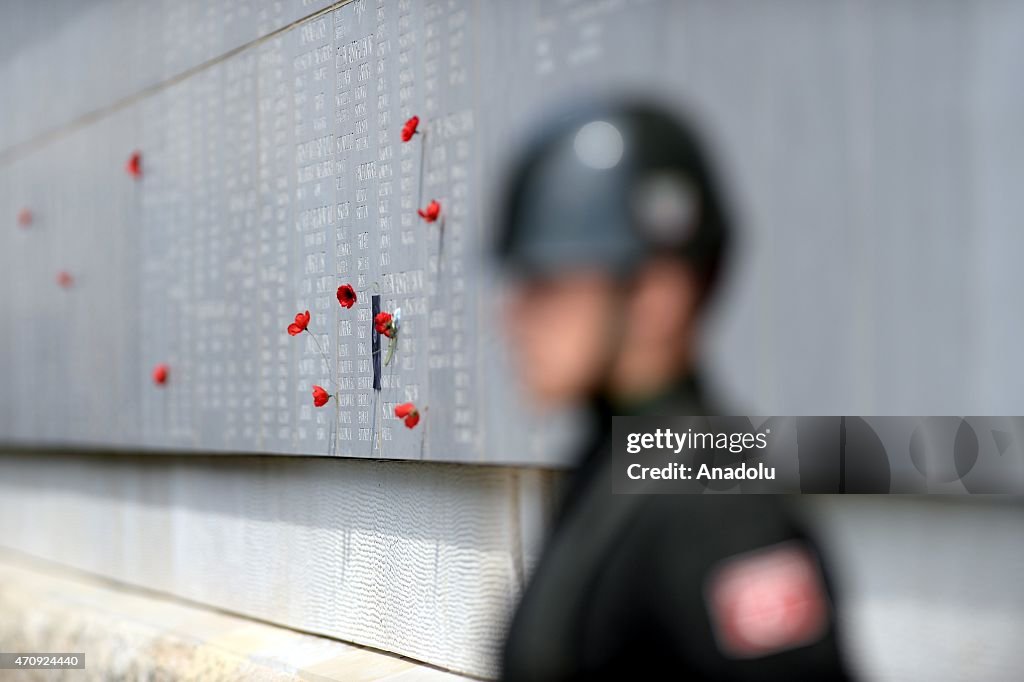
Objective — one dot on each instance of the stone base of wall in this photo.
(128, 634)
(423, 560)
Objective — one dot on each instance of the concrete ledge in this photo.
(129, 634)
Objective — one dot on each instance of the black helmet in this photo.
(609, 186)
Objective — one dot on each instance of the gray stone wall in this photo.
(872, 149)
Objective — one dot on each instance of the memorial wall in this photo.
(855, 138)
(267, 176)
(272, 171)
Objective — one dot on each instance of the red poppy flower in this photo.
(64, 279)
(409, 413)
(431, 212)
(320, 396)
(347, 296)
(409, 129)
(134, 165)
(24, 217)
(384, 324)
(160, 373)
(300, 324)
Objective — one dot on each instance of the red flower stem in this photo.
(423, 162)
(440, 244)
(322, 353)
(392, 343)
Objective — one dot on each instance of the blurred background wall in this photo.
(873, 152)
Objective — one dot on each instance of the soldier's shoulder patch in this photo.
(767, 601)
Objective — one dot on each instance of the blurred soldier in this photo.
(613, 232)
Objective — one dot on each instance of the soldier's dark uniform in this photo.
(626, 586)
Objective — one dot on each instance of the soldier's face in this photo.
(559, 332)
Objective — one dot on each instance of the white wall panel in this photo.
(419, 559)
(930, 587)
(61, 60)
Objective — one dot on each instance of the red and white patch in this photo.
(767, 601)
